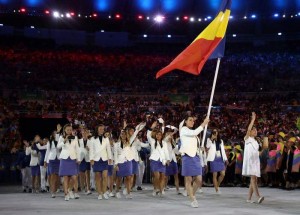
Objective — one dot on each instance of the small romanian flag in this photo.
(193, 58)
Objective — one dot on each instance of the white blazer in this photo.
(68, 148)
(122, 154)
(84, 151)
(158, 153)
(172, 152)
(98, 150)
(52, 152)
(189, 141)
(136, 147)
(212, 150)
(34, 158)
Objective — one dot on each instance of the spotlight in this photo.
(234, 35)
(159, 18)
(102, 31)
(140, 17)
(283, 15)
(199, 20)
(145, 35)
(32, 27)
(276, 15)
(68, 15)
(72, 14)
(56, 14)
(23, 10)
(148, 17)
(192, 19)
(185, 17)
(1, 25)
(79, 15)
(169, 36)
(209, 17)
(253, 16)
(95, 15)
(279, 34)
(230, 17)
(118, 16)
(47, 12)
(245, 17)
(62, 15)
(177, 18)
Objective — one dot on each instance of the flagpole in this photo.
(211, 99)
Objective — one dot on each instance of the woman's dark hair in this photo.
(186, 118)
(52, 139)
(96, 130)
(156, 141)
(218, 135)
(121, 141)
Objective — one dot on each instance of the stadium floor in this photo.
(231, 201)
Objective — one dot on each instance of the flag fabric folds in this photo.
(193, 58)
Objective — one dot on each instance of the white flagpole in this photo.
(211, 99)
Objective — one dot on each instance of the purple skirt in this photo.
(53, 166)
(157, 166)
(68, 167)
(100, 166)
(135, 167)
(217, 165)
(84, 166)
(35, 170)
(172, 169)
(125, 169)
(191, 166)
(110, 170)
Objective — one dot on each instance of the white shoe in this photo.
(58, 190)
(218, 192)
(100, 197)
(53, 195)
(105, 195)
(71, 195)
(200, 190)
(250, 201)
(163, 193)
(184, 193)
(134, 189)
(76, 196)
(260, 200)
(125, 191)
(129, 196)
(178, 192)
(118, 195)
(154, 193)
(111, 194)
(67, 198)
(88, 192)
(194, 204)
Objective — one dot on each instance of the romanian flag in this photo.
(193, 58)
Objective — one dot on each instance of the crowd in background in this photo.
(108, 86)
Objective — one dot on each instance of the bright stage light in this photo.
(56, 14)
(192, 19)
(145, 35)
(47, 12)
(169, 36)
(253, 16)
(177, 18)
(276, 15)
(279, 34)
(159, 18)
(234, 35)
(68, 15)
(118, 16)
(245, 17)
(23, 10)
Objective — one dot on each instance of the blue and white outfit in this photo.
(69, 156)
(100, 153)
(159, 155)
(84, 157)
(216, 155)
(123, 159)
(43, 170)
(172, 168)
(34, 160)
(52, 156)
(191, 164)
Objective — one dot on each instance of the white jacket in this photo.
(70, 148)
(158, 153)
(189, 141)
(212, 150)
(52, 152)
(98, 150)
(136, 147)
(84, 151)
(122, 154)
(34, 158)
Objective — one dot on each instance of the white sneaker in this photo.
(194, 204)
(184, 193)
(76, 196)
(178, 192)
(218, 192)
(58, 190)
(134, 189)
(67, 198)
(163, 193)
(250, 201)
(260, 200)
(88, 192)
(118, 195)
(71, 195)
(111, 194)
(53, 195)
(200, 190)
(100, 197)
(105, 195)
(129, 196)
(125, 191)
(154, 193)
